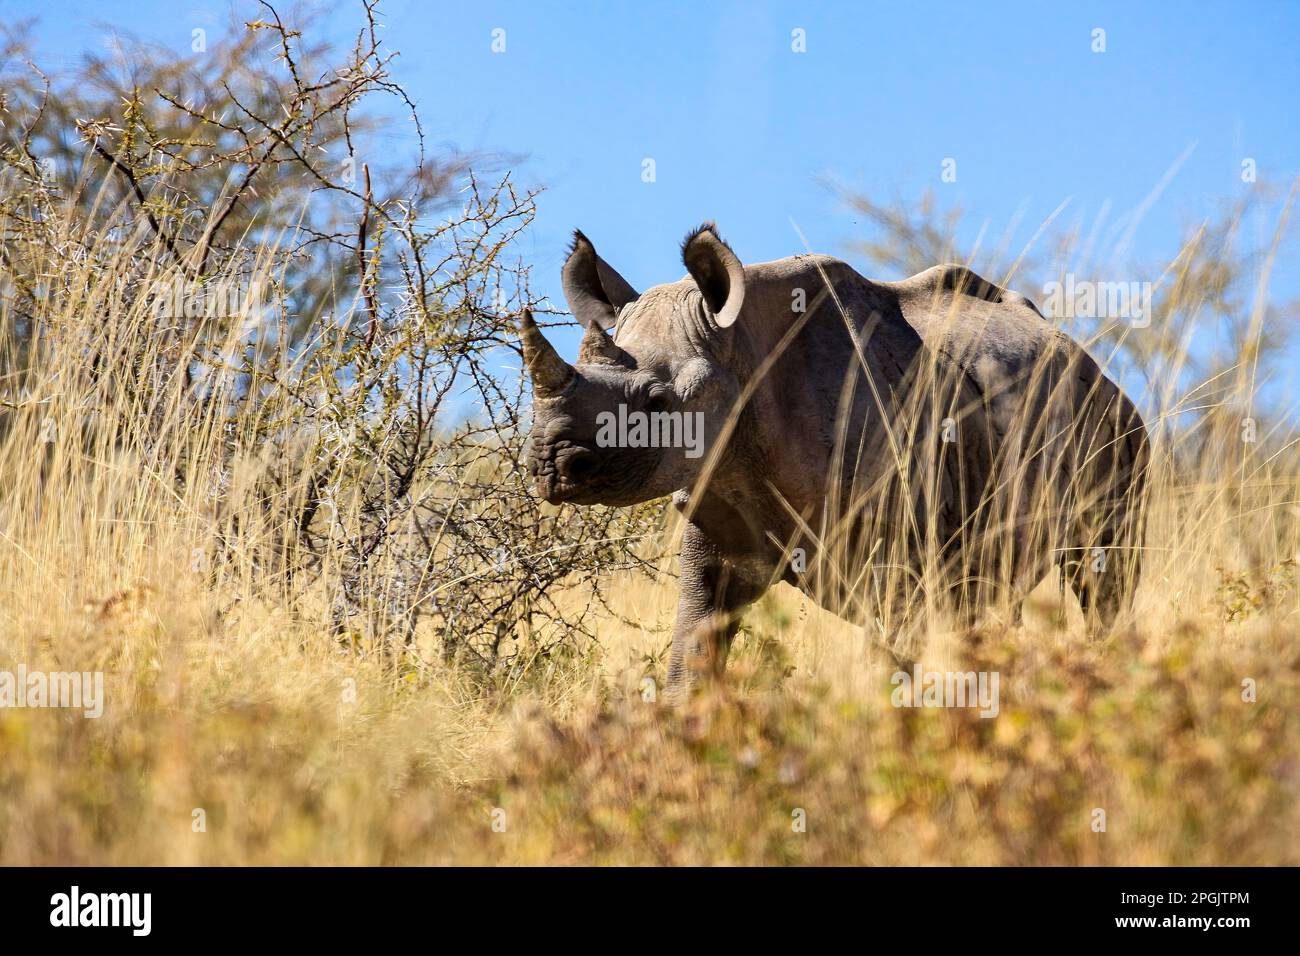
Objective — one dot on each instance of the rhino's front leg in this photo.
(716, 587)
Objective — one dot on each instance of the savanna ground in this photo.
(336, 627)
(299, 751)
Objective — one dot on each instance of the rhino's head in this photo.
(635, 420)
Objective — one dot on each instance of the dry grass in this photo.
(247, 714)
(228, 694)
(247, 719)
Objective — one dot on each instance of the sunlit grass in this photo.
(240, 729)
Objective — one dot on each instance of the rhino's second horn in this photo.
(598, 347)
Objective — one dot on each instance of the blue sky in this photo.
(743, 130)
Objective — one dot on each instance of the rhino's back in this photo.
(997, 336)
(1040, 427)
(1053, 410)
(1024, 364)
(838, 412)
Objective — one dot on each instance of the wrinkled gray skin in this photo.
(787, 467)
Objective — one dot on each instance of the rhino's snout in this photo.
(562, 472)
(577, 466)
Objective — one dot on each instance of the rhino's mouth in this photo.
(556, 490)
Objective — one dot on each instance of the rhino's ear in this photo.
(717, 272)
(594, 290)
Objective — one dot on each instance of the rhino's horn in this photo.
(549, 372)
(598, 348)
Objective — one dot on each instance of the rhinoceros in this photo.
(889, 447)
